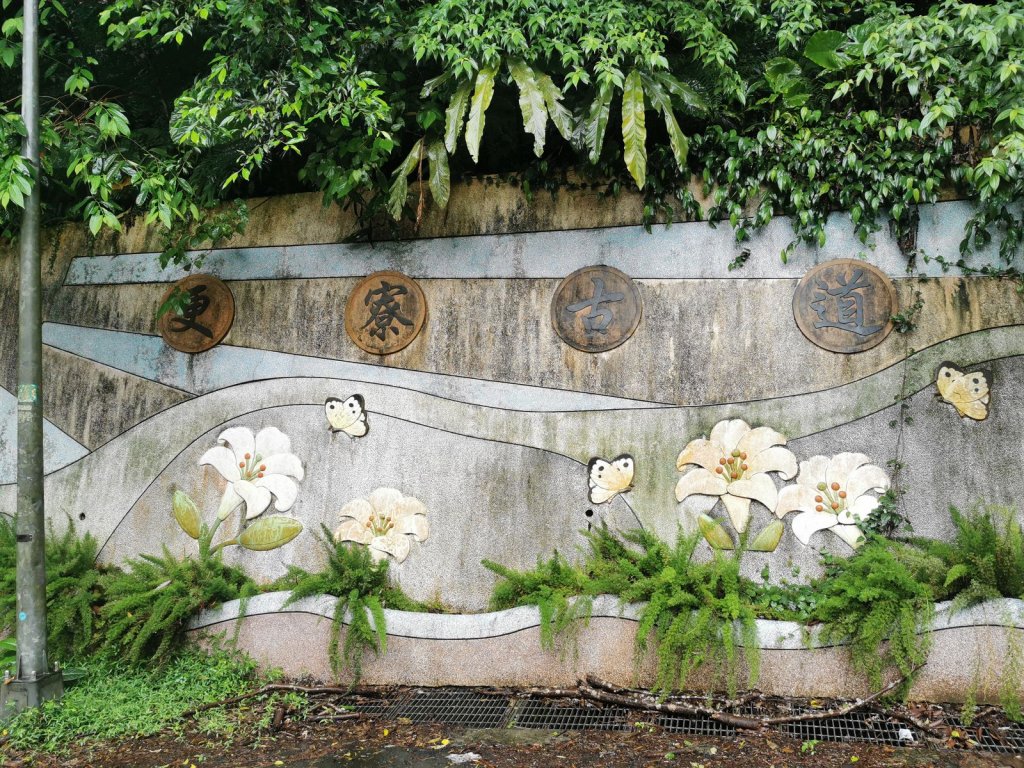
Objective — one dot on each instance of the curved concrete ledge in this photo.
(975, 652)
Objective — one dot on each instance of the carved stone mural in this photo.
(596, 309)
(385, 312)
(205, 318)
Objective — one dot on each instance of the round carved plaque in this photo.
(385, 312)
(596, 309)
(845, 305)
(204, 320)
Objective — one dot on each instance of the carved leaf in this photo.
(768, 539)
(714, 533)
(270, 532)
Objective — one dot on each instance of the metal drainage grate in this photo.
(472, 709)
(856, 726)
(452, 706)
(571, 716)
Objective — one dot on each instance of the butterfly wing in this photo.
(948, 375)
(348, 416)
(609, 479)
(969, 395)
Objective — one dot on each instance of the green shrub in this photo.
(362, 588)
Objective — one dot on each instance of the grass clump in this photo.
(116, 700)
(363, 589)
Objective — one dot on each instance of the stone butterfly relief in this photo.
(205, 318)
(348, 416)
(845, 305)
(596, 309)
(607, 479)
(967, 392)
(385, 312)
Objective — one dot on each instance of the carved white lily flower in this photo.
(385, 521)
(257, 469)
(734, 465)
(833, 494)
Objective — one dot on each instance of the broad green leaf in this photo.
(714, 533)
(400, 186)
(768, 539)
(186, 513)
(559, 115)
(785, 77)
(677, 89)
(440, 176)
(477, 110)
(435, 82)
(454, 115)
(823, 49)
(590, 132)
(531, 103)
(662, 103)
(270, 533)
(634, 128)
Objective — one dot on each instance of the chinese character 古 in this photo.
(599, 318)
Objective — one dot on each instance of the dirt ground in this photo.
(371, 742)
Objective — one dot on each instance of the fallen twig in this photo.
(270, 688)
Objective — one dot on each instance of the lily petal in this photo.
(270, 441)
(851, 534)
(228, 502)
(842, 466)
(256, 499)
(759, 487)
(283, 488)
(701, 452)
(284, 464)
(760, 439)
(240, 440)
(223, 460)
(866, 478)
(700, 481)
(794, 497)
(739, 511)
(386, 501)
(813, 471)
(416, 525)
(359, 510)
(776, 459)
(859, 510)
(393, 544)
(353, 530)
(728, 433)
(807, 523)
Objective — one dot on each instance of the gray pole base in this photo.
(18, 695)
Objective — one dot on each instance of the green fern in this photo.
(149, 605)
(74, 588)
(363, 590)
(874, 602)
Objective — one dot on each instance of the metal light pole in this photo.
(34, 682)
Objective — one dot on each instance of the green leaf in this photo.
(785, 77)
(454, 115)
(634, 128)
(559, 115)
(186, 513)
(531, 103)
(768, 539)
(440, 176)
(662, 103)
(590, 132)
(400, 186)
(478, 108)
(823, 49)
(270, 533)
(687, 94)
(714, 533)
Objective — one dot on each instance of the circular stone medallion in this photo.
(385, 312)
(204, 320)
(845, 305)
(596, 309)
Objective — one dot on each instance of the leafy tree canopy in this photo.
(164, 108)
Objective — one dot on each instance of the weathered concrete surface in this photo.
(700, 341)
(295, 641)
(94, 403)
